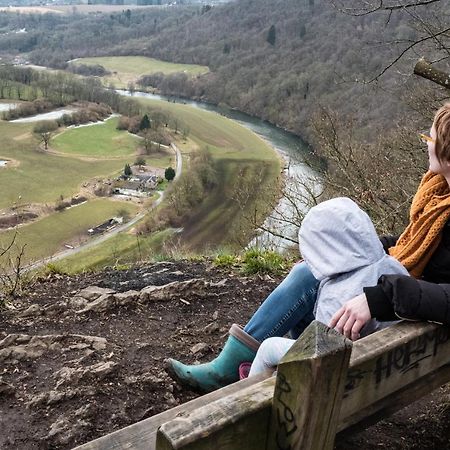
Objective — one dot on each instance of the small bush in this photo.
(260, 261)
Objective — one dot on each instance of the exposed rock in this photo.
(199, 348)
(107, 301)
(96, 342)
(220, 283)
(93, 292)
(101, 370)
(33, 310)
(61, 425)
(101, 304)
(35, 346)
(78, 302)
(211, 328)
(17, 353)
(73, 375)
(14, 338)
(122, 298)
(176, 289)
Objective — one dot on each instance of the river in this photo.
(295, 153)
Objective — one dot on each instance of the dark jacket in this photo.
(398, 296)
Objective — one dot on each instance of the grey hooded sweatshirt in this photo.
(341, 248)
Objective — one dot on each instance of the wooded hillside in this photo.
(276, 59)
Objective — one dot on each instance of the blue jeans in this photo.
(289, 308)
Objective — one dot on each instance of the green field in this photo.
(41, 177)
(101, 140)
(48, 236)
(224, 137)
(128, 69)
(121, 249)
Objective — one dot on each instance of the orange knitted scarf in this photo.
(430, 211)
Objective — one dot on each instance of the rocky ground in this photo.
(83, 356)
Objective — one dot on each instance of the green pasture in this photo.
(101, 140)
(121, 249)
(42, 177)
(224, 137)
(162, 158)
(128, 69)
(48, 235)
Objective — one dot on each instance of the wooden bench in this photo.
(324, 385)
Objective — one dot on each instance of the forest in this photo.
(278, 60)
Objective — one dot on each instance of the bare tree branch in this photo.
(368, 8)
(424, 69)
(386, 68)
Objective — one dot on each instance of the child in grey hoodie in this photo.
(341, 248)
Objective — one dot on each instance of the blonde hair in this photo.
(442, 126)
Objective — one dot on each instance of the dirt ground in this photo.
(76, 364)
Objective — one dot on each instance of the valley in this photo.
(85, 162)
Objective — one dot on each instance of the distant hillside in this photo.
(276, 59)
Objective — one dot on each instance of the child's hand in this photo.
(351, 317)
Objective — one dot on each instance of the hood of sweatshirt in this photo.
(340, 245)
(336, 237)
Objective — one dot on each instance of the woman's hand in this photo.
(349, 319)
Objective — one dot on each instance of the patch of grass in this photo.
(52, 268)
(162, 186)
(100, 140)
(121, 249)
(128, 69)
(162, 159)
(263, 262)
(48, 235)
(41, 177)
(226, 260)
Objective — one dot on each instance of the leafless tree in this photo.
(430, 20)
(12, 277)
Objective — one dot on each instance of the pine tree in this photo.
(127, 170)
(145, 123)
(271, 35)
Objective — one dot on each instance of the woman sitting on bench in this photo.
(423, 249)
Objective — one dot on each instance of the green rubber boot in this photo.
(240, 347)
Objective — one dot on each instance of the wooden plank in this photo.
(142, 435)
(308, 391)
(398, 400)
(390, 361)
(239, 421)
